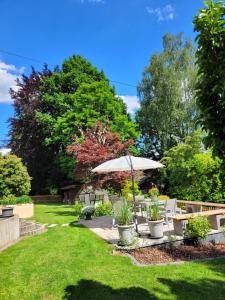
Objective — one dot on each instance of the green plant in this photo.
(87, 212)
(154, 212)
(14, 178)
(53, 190)
(77, 209)
(127, 191)
(153, 191)
(124, 215)
(198, 227)
(13, 200)
(104, 209)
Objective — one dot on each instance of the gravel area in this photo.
(154, 255)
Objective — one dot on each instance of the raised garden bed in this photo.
(159, 255)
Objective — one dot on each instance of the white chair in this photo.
(139, 206)
(116, 206)
(170, 209)
(82, 198)
(87, 199)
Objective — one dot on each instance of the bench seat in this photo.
(214, 217)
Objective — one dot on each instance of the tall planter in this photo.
(126, 234)
(156, 228)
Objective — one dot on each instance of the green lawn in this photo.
(72, 263)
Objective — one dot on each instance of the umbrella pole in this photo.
(132, 176)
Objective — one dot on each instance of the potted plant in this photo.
(155, 220)
(153, 193)
(87, 212)
(125, 225)
(7, 203)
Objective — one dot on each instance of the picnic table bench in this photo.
(214, 216)
(197, 206)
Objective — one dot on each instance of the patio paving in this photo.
(102, 226)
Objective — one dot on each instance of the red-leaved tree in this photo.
(99, 144)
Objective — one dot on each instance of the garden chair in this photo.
(170, 209)
(82, 199)
(92, 199)
(139, 206)
(87, 199)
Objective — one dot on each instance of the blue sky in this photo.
(117, 36)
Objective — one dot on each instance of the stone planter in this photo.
(126, 234)
(156, 228)
(7, 212)
(24, 210)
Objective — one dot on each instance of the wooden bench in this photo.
(214, 217)
(198, 206)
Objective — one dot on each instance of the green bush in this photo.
(127, 191)
(198, 227)
(77, 209)
(104, 209)
(12, 200)
(154, 211)
(192, 173)
(14, 178)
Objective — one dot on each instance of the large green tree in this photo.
(80, 96)
(210, 25)
(168, 108)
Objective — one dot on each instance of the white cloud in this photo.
(166, 13)
(132, 103)
(8, 75)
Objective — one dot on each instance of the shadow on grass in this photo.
(93, 290)
(207, 289)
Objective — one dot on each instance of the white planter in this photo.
(156, 228)
(126, 234)
(25, 210)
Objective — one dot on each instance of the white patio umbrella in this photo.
(128, 163)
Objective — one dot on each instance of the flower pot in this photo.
(126, 234)
(88, 217)
(156, 228)
(7, 212)
(153, 197)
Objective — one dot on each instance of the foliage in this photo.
(14, 178)
(104, 209)
(127, 191)
(163, 197)
(192, 173)
(154, 211)
(80, 95)
(198, 227)
(99, 145)
(12, 200)
(87, 211)
(28, 134)
(153, 191)
(168, 108)
(124, 216)
(210, 25)
(77, 209)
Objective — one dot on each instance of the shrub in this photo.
(12, 200)
(154, 212)
(198, 227)
(77, 209)
(163, 197)
(125, 216)
(14, 178)
(87, 212)
(127, 191)
(192, 173)
(104, 209)
(153, 191)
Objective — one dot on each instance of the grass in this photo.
(72, 263)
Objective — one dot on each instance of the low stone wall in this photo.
(9, 231)
(46, 198)
(25, 210)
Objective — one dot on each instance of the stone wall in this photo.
(9, 231)
(46, 198)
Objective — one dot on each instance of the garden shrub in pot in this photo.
(125, 225)
(155, 220)
(153, 193)
(87, 212)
